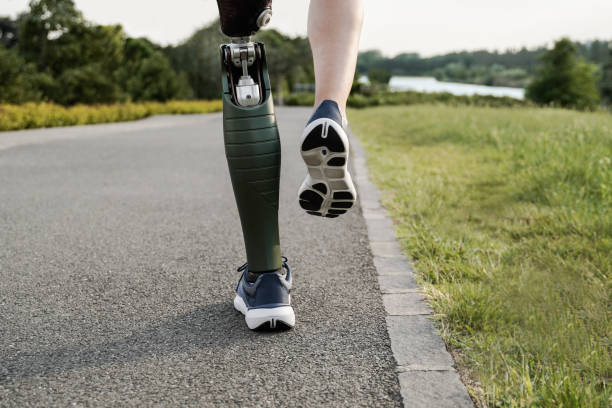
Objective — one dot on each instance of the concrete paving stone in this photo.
(374, 214)
(414, 341)
(380, 230)
(384, 223)
(433, 389)
(393, 266)
(368, 203)
(418, 367)
(360, 178)
(397, 284)
(427, 376)
(406, 304)
(358, 159)
(359, 175)
(385, 248)
(367, 189)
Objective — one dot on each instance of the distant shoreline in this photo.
(430, 84)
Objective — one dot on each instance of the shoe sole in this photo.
(328, 189)
(266, 318)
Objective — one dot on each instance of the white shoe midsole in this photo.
(256, 317)
(317, 172)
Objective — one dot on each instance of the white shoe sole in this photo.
(270, 317)
(328, 190)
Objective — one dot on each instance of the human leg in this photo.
(334, 28)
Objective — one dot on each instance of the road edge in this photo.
(24, 137)
(425, 369)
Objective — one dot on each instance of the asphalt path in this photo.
(119, 246)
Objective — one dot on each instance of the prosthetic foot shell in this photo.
(252, 149)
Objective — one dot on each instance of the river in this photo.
(429, 85)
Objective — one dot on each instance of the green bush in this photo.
(300, 99)
(18, 79)
(563, 79)
(358, 100)
(88, 84)
(379, 76)
(605, 85)
(147, 75)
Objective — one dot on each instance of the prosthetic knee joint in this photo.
(252, 144)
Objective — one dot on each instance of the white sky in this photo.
(393, 26)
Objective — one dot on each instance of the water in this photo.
(429, 85)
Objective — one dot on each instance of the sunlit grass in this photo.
(507, 214)
(37, 115)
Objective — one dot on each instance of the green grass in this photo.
(507, 215)
(37, 115)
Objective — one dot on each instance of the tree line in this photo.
(289, 60)
(52, 53)
(516, 68)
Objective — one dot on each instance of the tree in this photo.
(369, 59)
(19, 81)
(605, 85)
(81, 57)
(46, 21)
(198, 59)
(289, 59)
(147, 75)
(8, 32)
(564, 79)
(379, 76)
(83, 61)
(86, 84)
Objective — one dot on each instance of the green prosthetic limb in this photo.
(252, 148)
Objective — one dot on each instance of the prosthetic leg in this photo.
(252, 144)
(252, 148)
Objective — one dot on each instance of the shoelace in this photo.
(245, 266)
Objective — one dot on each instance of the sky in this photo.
(429, 27)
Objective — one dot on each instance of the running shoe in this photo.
(328, 189)
(264, 298)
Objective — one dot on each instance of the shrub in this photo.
(564, 79)
(379, 76)
(18, 79)
(37, 115)
(300, 99)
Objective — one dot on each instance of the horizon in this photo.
(460, 29)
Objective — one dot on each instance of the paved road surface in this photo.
(118, 250)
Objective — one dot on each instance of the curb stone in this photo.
(425, 369)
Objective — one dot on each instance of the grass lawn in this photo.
(507, 214)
